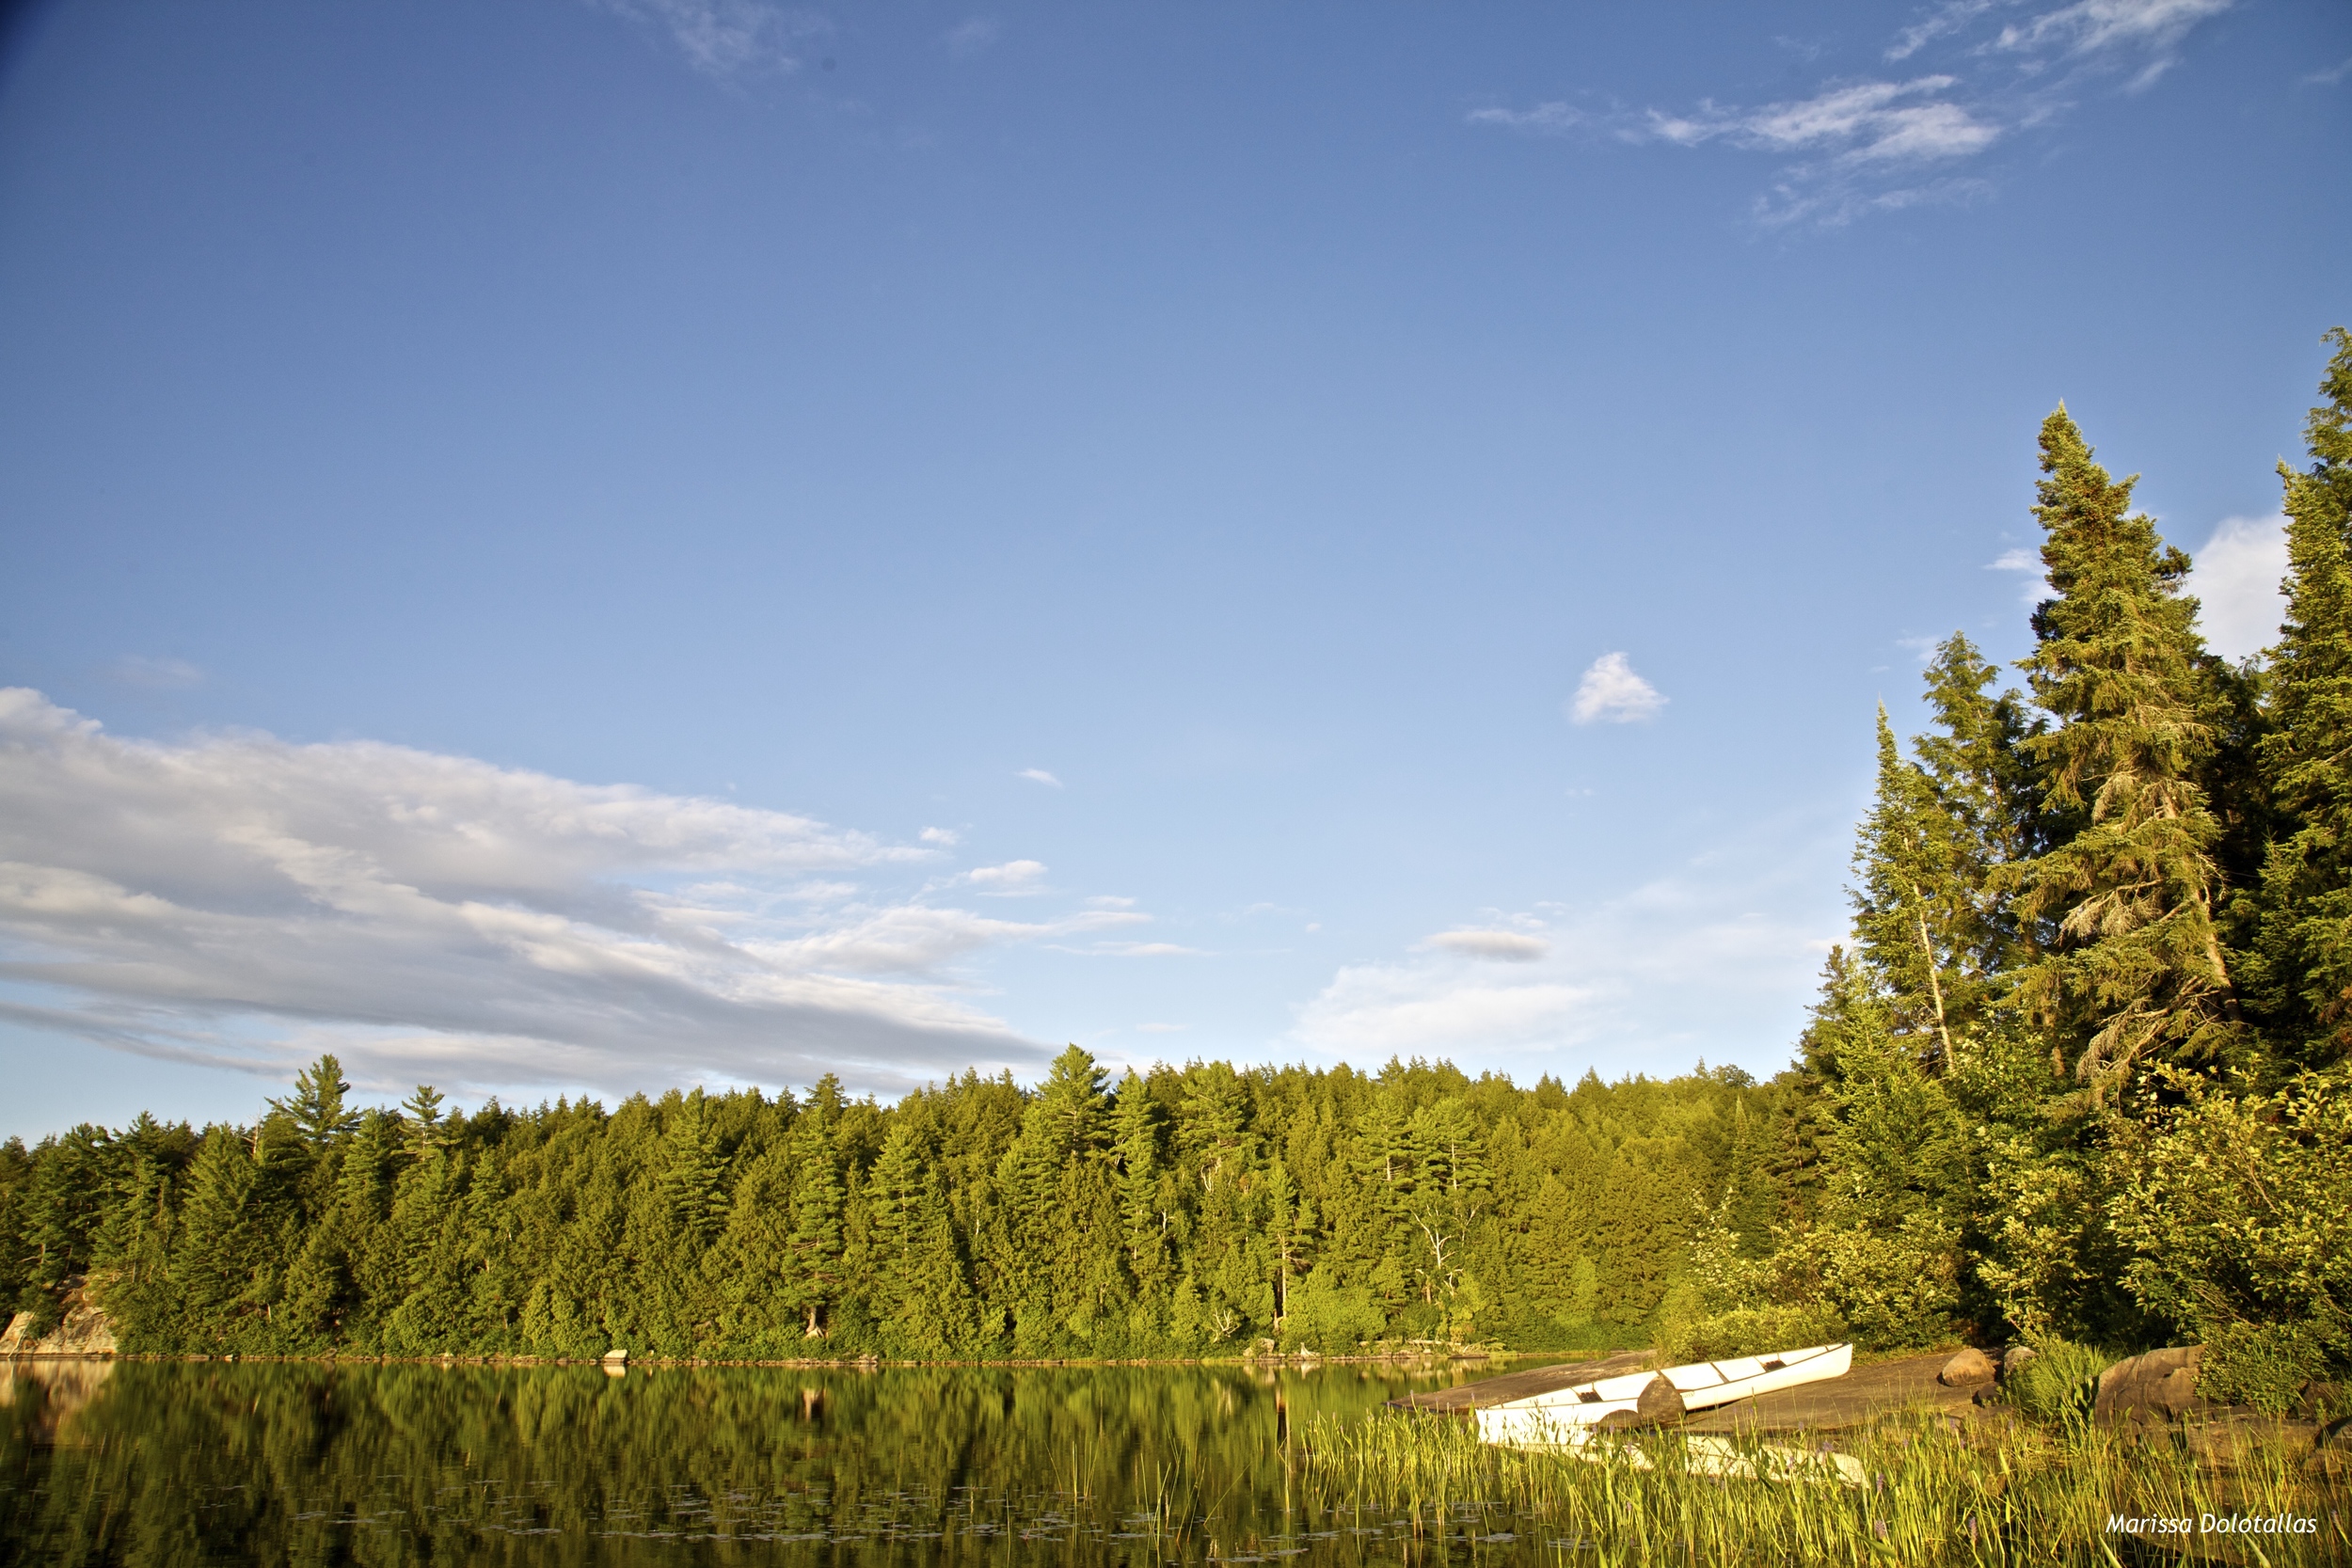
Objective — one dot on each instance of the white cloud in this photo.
(1161, 1028)
(1039, 775)
(1944, 20)
(1693, 962)
(2151, 28)
(2028, 561)
(2237, 582)
(971, 36)
(1376, 1010)
(1610, 692)
(1497, 946)
(947, 838)
(1858, 146)
(239, 899)
(1550, 120)
(1012, 877)
(1139, 950)
(157, 674)
(729, 38)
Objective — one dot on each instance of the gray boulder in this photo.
(2160, 1386)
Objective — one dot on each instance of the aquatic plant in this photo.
(1983, 1491)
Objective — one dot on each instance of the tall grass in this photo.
(1993, 1491)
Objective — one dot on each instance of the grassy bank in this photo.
(1937, 1492)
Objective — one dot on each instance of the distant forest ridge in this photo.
(2080, 1075)
(1186, 1211)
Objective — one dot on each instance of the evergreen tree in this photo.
(2303, 951)
(316, 1105)
(1917, 921)
(2134, 967)
(814, 1245)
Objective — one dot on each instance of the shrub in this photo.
(2061, 1382)
(1746, 1331)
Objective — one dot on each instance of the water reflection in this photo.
(153, 1462)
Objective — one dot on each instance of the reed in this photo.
(1938, 1492)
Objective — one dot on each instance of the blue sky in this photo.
(555, 546)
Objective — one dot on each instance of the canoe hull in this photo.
(1703, 1386)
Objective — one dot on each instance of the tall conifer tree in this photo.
(2304, 946)
(2136, 968)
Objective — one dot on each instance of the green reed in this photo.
(1990, 1491)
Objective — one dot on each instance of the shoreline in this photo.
(1466, 1355)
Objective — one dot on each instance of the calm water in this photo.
(154, 1463)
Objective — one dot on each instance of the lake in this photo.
(153, 1462)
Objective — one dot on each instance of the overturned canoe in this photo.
(1646, 1398)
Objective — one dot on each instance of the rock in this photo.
(2227, 1436)
(84, 1330)
(2016, 1360)
(1660, 1405)
(614, 1355)
(1966, 1369)
(2160, 1386)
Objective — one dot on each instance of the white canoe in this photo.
(1538, 1419)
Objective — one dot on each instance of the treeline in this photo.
(1186, 1211)
(2080, 1075)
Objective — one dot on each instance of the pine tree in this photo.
(316, 1104)
(1136, 1138)
(1918, 922)
(2133, 968)
(694, 1176)
(2303, 949)
(813, 1282)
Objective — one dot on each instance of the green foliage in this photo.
(1197, 1211)
(2301, 964)
(1746, 1331)
(2236, 1208)
(2060, 1383)
(2125, 902)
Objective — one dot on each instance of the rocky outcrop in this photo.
(2160, 1386)
(84, 1330)
(2156, 1395)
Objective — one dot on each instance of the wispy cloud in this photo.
(156, 674)
(2237, 581)
(1858, 144)
(1704, 959)
(2148, 33)
(1138, 950)
(729, 38)
(947, 838)
(242, 901)
(1012, 877)
(971, 36)
(1039, 775)
(1515, 947)
(2027, 561)
(1544, 120)
(1612, 693)
(2331, 77)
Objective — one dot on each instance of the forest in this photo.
(2078, 1075)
